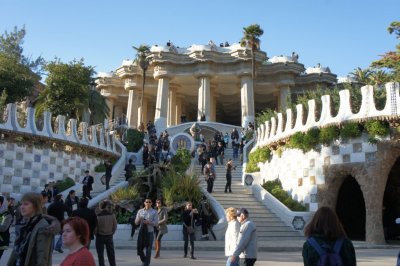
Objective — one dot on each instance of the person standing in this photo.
(87, 182)
(76, 237)
(231, 236)
(189, 216)
(325, 229)
(209, 172)
(108, 173)
(162, 228)
(205, 215)
(58, 209)
(34, 234)
(246, 247)
(129, 169)
(6, 219)
(106, 227)
(147, 218)
(71, 202)
(229, 167)
(88, 215)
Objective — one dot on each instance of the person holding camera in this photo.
(229, 166)
(189, 216)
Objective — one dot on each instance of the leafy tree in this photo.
(97, 107)
(378, 78)
(251, 37)
(67, 91)
(141, 58)
(391, 60)
(362, 76)
(18, 73)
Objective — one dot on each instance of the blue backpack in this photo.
(327, 256)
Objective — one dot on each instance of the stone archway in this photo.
(391, 203)
(350, 208)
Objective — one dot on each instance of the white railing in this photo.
(272, 131)
(173, 130)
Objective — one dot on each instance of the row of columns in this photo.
(169, 106)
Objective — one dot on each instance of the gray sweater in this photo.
(247, 241)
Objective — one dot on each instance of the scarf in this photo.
(23, 234)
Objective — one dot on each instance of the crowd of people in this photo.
(157, 149)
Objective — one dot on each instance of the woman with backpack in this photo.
(327, 243)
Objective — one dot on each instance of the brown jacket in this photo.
(106, 223)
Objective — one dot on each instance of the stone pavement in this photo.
(211, 253)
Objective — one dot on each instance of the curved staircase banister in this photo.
(77, 187)
(219, 228)
(96, 200)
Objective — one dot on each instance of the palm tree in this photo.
(378, 77)
(361, 75)
(141, 58)
(98, 107)
(251, 37)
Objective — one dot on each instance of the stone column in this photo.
(178, 110)
(110, 104)
(145, 111)
(172, 107)
(204, 100)
(213, 106)
(284, 92)
(160, 118)
(247, 100)
(132, 113)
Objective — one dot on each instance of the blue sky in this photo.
(341, 34)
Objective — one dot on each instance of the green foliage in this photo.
(123, 217)
(65, 184)
(262, 154)
(67, 89)
(275, 188)
(126, 193)
(181, 160)
(377, 128)
(264, 116)
(305, 141)
(249, 135)
(350, 130)
(134, 140)
(180, 188)
(328, 134)
(97, 108)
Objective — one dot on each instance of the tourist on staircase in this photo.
(162, 228)
(205, 216)
(221, 152)
(108, 174)
(87, 182)
(130, 168)
(88, 215)
(231, 236)
(189, 216)
(229, 167)
(210, 175)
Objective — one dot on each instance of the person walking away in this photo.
(108, 174)
(189, 216)
(6, 220)
(76, 238)
(326, 239)
(106, 227)
(231, 236)
(71, 202)
(229, 167)
(246, 247)
(87, 182)
(129, 169)
(34, 234)
(205, 216)
(162, 228)
(88, 215)
(148, 218)
(209, 172)
(58, 209)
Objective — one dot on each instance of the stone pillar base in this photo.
(161, 124)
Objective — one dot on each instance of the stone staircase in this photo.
(269, 226)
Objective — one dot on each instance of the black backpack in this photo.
(327, 256)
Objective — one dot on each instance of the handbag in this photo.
(103, 179)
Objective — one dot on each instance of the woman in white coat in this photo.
(231, 236)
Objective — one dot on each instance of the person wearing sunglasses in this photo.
(147, 218)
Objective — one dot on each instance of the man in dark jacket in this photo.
(71, 202)
(87, 182)
(108, 174)
(129, 169)
(88, 215)
(57, 210)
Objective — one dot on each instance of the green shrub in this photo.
(126, 193)
(311, 139)
(328, 134)
(181, 160)
(260, 155)
(65, 184)
(296, 140)
(377, 128)
(180, 188)
(100, 168)
(275, 188)
(249, 135)
(134, 140)
(350, 130)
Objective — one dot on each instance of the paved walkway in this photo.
(125, 257)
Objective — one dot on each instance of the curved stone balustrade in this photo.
(173, 130)
(272, 131)
(106, 141)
